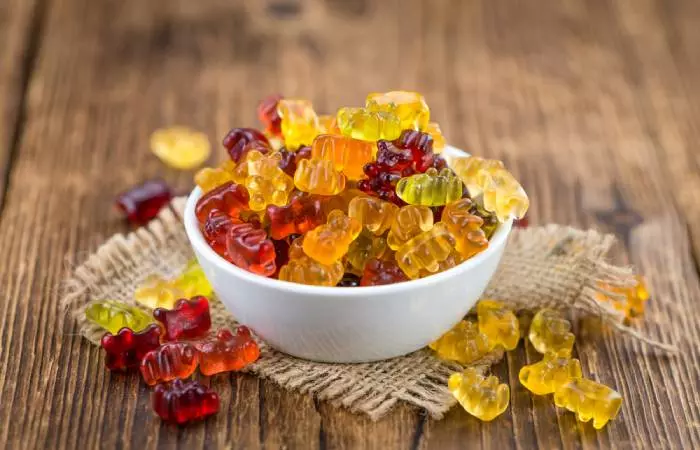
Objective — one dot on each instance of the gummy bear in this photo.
(189, 319)
(498, 323)
(421, 147)
(113, 316)
(250, 249)
(299, 124)
(215, 229)
(589, 400)
(268, 115)
(374, 214)
(184, 401)
(318, 176)
(439, 142)
(330, 242)
(267, 184)
(475, 172)
(143, 202)
(549, 331)
(169, 361)
(464, 343)
(229, 198)
(465, 227)
(329, 124)
(452, 260)
(368, 124)
(410, 221)
(635, 297)
(482, 397)
(379, 272)
(431, 188)
(348, 155)
(546, 376)
(349, 280)
(306, 270)
(303, 213)
(365, 247)
(425, 251)
(126, 349)
(238, 142)
(210, 178)
(180, 147)
(227, 351)
(156, 292)
(504, 196)
(192, 281)
(410, 107)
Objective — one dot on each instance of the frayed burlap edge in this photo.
(552, 266)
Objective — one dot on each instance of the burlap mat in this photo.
(553, 266)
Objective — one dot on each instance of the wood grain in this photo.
(594, 105)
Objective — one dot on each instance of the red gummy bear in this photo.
(126, 349)
(181, 402)
(189, 319)
(229, 198)
(303, 213)
(215, 229)
(238, 140)
(289, 160)
(249, 248)
(268, 115)
(227, 351)
(143, 202)
(169, 361)
(378, 272)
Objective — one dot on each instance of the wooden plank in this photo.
(574, 97)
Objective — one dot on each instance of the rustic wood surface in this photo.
(595, 105)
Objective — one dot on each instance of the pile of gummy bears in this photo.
(359, 198)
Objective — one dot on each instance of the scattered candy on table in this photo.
(142, 203)
(482, 397)
(549, 331)
(589, 400)
(546, 376)
(189, 319)
(169, 361)
(181, 401)
(113, 316)
(498, 323)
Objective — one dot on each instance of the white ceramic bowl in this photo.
(348, 324)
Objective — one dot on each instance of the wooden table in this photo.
(594, 105)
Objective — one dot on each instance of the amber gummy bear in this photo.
(549, 331)
(227, 351)
(464, 343)
(554, 370)
(589, 400)
(482, 397)
(498, 323)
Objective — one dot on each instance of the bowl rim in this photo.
(201, 247)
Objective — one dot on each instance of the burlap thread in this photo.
(553, 266)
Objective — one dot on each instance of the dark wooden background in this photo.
(595, 105)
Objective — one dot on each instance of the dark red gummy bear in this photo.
(268, 115)
(229, 198)
(215, 228)
(187, 320)
(238, 139)
(378, 272)
(421, 147)
(289, 160)
(349, 280)
(184, 401)
(126, 349)
(143, 202)
(303, 213)
(522, 223)
(250, 249)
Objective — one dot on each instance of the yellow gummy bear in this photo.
(299, 124)
(267, 184)
(113, 316)
(305, 270)
(376, 215)
(365, 247)
(210, 178)
(550, 332)
(589, 400)
(318, 176)
(464, 343)
(328, 243)
(466, 227)
(180, 147)
(425, 251)
(156, 292)
(452, 260)
(439, 141)
(410, 221)
(635, 297)
(192, 281)
(475, 171)
(410, 107)
(498, 323)
(546, 376)
(482, 397)
(368, 124)
(431, 188)
(504, 196)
